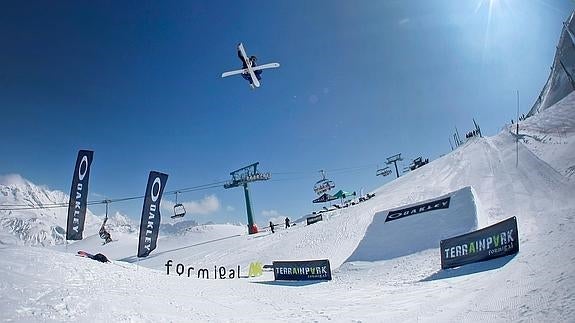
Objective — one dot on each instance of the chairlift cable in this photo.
(106, 218)
(15, 207)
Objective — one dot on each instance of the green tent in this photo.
(341, 194)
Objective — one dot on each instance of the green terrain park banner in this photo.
(302, 270)
(498, 240)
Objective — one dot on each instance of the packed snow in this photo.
(388, 240)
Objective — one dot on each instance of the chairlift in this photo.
(323, 185)
(383, 171)
(418, 162)
(103, 233)
(179, 209)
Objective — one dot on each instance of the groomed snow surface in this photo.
(382, 271)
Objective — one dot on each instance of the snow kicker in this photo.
(417, 227)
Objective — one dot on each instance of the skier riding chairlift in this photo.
(103, 233)
(323, 185)
(253, 63)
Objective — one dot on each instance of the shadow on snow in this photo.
(132, 259)
(469, 269)
(290, 283)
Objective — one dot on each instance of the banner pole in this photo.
(517, 134)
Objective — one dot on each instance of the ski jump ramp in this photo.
(416, 227)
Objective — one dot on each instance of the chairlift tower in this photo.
(393, 160)
(242, 177)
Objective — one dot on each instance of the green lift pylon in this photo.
(242, 177)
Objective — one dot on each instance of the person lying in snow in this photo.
(99, 257)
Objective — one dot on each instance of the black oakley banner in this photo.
(150, 223)
(314, 219)
(498, 240)
(416, 209)
(302, 270)
(79, 196)
(324, 198)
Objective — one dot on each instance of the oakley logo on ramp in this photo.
(429, 206)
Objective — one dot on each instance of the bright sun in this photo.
(491, 5)
(488, 3)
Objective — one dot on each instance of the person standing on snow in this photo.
(272, 226)
(287, 222)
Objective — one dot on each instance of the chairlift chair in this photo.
(103, 233)
(179, 209)
(323, 185)
(383, 171)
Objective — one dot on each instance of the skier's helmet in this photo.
(253, 58)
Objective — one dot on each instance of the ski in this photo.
(84, 254)
(255, 80)
(245, 70)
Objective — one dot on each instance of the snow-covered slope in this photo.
(25, 224)
(420, 231)
(561, 79)
(552, 136)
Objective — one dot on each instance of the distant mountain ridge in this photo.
(43, 226)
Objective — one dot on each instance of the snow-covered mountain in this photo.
(180, 227)
(26, 224)
(561, 79)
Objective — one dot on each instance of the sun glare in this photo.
(491, 6)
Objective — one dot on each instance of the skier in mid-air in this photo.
(253, 63)
(250, 71)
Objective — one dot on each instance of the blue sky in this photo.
(139, 83)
